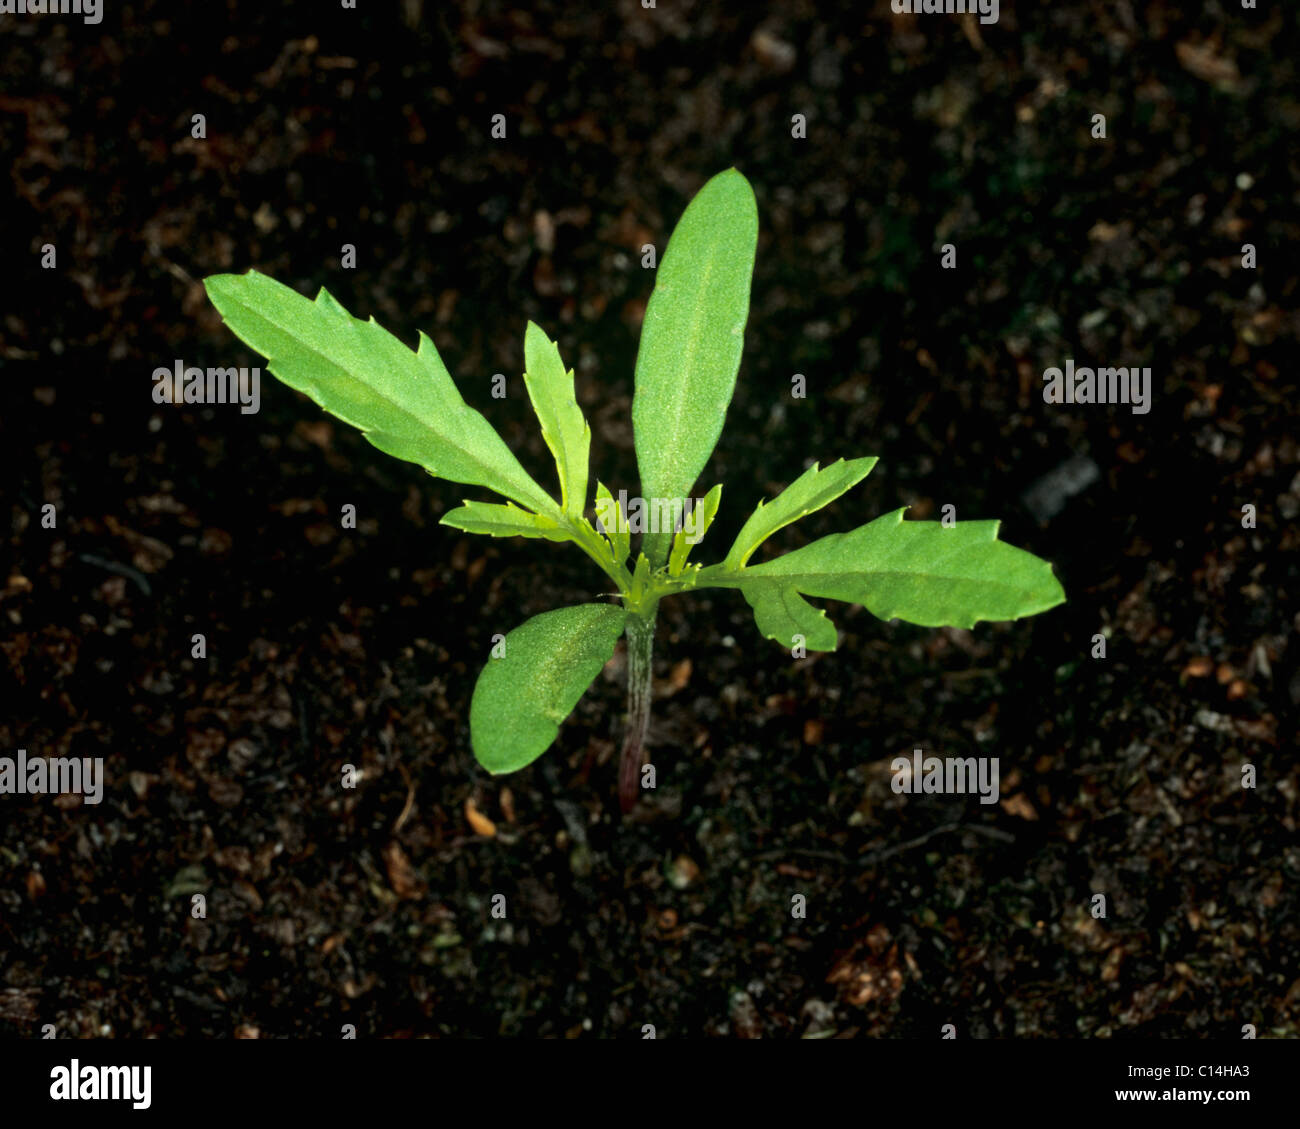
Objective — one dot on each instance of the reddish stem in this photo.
(640, 651)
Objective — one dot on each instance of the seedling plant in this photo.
(405, 402)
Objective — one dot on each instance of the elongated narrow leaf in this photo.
(549, 661)
(613, 523)
(811, 491)
(691, 341)
(404, 401)
(550, 387)
(694, 526)
(508, 520)
(918, 571)
(780, 613)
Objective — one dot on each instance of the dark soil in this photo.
(327, 646)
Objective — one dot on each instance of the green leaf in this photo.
(550, 387)
(702, 517)
(691, 342)
(613, 523)
(522, 697)
(780, 613)
(811, 491)
(918, 571)
(404, 401)
(641, 574)
(504, 521)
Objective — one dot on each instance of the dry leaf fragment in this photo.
(401, 874)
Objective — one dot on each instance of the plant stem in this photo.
(640, 650)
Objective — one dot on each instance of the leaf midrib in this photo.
(698, 321)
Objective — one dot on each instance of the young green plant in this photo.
(406, 404)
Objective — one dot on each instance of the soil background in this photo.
(1121, 775)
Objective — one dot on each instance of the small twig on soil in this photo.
(802, 852)
(898, 848)
(410, 799)
(977, 828)
(118, 569)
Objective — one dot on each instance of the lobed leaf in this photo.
(521, 698)
(503, 521)
(404, 401)
(918, 571)
(691, 342)
(613, 524)
(811, 491)
(706, 510)
(780, 613)
(567, 434)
